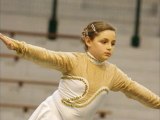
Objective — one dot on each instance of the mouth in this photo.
(108, 54)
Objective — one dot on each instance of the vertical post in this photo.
(52, 28)
(135, 42)
(158, 12)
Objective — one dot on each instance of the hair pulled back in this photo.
(94, 28)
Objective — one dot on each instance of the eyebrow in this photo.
(108, 39)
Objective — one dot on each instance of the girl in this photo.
(87, 77)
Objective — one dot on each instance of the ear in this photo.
(88, 41)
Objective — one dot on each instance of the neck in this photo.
(91, 56)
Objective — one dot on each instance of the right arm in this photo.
(132, 89)
(61, 61)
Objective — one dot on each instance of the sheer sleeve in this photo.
(121, 82)
(62, 61)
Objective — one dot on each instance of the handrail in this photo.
(7, 55)
(38, 34)
(26, 107)
(21, 82)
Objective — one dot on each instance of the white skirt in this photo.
(47, 110)
(53, 108)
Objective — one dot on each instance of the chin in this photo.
(106, 58)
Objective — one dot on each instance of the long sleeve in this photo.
(121, 82)
(62, 61)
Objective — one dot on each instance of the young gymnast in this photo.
(86, 77)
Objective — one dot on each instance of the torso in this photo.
(84, 88)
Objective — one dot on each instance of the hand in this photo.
(7, 41)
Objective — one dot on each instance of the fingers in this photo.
(2, 37)
(7, 41)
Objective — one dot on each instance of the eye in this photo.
(113, 43)
(103, 41)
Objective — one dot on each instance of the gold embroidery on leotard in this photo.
(84, 99)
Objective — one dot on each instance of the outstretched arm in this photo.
(61, 61)
(132, 89)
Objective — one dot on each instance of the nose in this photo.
(109, 46)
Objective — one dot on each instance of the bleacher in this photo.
(19, 98)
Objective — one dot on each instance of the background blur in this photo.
(24, 85)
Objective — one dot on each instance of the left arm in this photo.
(121, 82)
(62, 61)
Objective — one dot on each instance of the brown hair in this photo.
(94, 28)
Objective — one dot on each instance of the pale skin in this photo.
(102, 46)
(7, 41)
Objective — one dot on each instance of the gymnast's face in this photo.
(102, 46)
